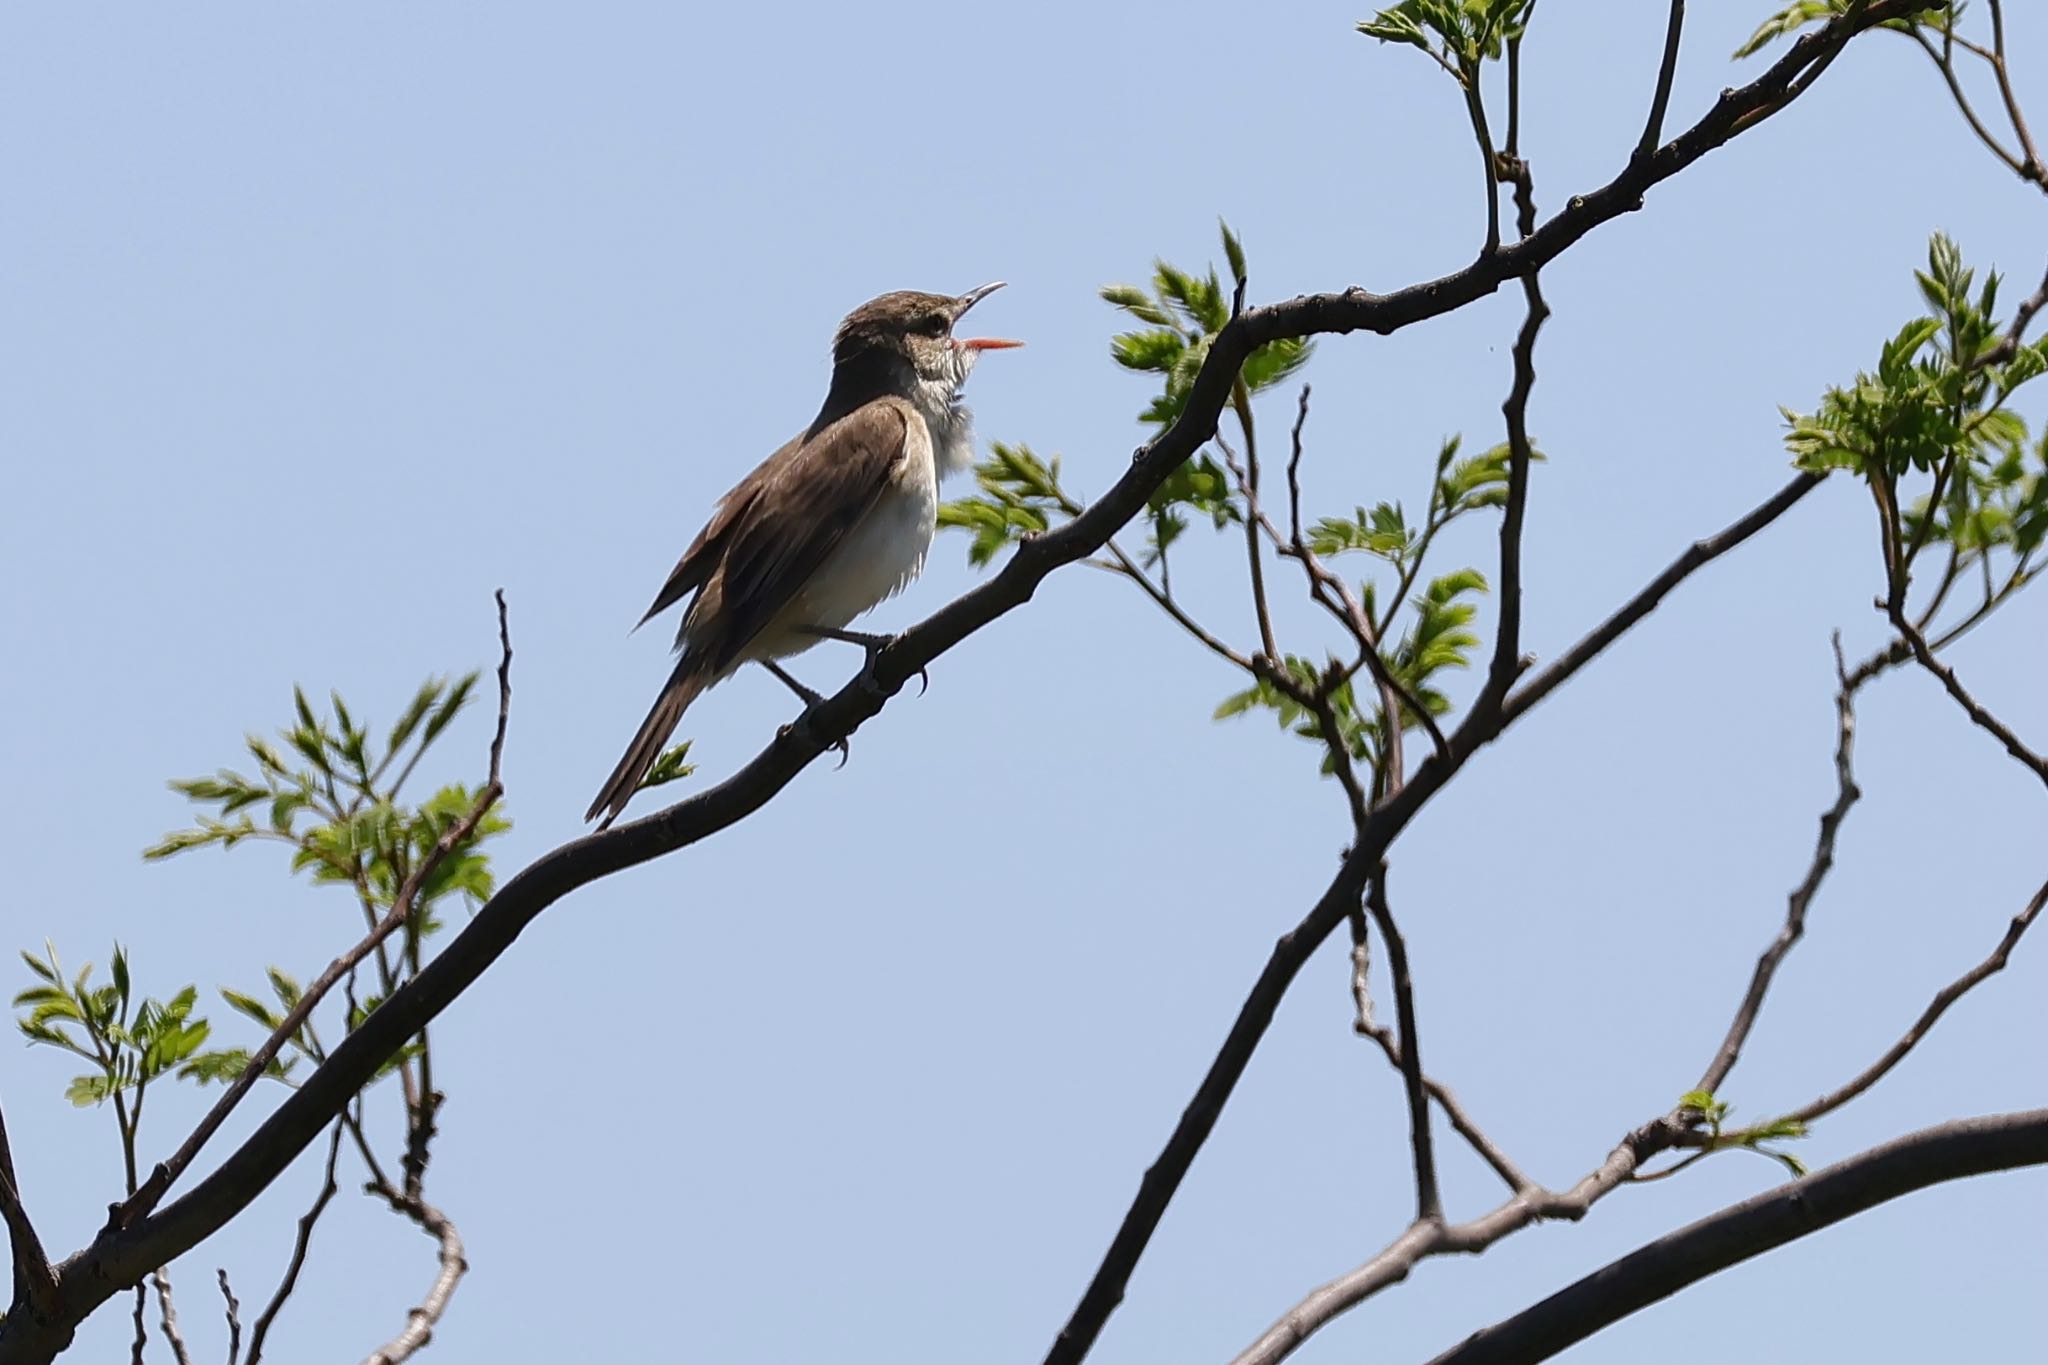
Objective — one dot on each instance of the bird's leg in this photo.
(811, 700)
(873, 643)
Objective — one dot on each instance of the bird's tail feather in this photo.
(682, 688)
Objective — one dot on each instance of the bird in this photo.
(832, 524)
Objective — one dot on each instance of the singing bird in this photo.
(835, 522)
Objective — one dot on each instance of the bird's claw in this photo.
(801, 728)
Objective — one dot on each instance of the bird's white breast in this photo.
(886, 549)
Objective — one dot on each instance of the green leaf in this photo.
(670, 767)
(252, 1007)
(86, 1091)
(450, 705)
(1233, 252)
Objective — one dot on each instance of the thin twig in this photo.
(2032, 168)
(162, 1280)
(1701, 552)
(1241, 401)
(1946, 66)
(1329, 591)
(1507, 661)
(1846, 795)
(1475, 107)
(1367, 1027)
(1653, 129)
(1979, 715)
(1294, 468)
(1460, 1119)
(300, 1243)
(422, 1319)
(34, 1282)
(234, 1316)
(1424, 1239)
(1429, 1206)
(1127, 568)
(1946, 996)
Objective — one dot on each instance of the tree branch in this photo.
(1653, 129)
(1424, 1239)
(1946, 996)
(300, 1243)
(162, 1280)
(120, 1256)
(1846, 795)
(233, 1309)
(1979, 715)
(421, 1321)
(1951, 1151)
(35, 1285)
(1429, 1205)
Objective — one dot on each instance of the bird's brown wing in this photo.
(797, 516)
(701, 558)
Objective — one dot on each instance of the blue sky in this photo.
(324, 325)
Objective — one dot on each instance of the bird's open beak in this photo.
(974, 296)
(967, 301)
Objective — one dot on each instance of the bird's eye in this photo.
(933, 325)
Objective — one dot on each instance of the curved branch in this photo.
(1951, 1151)
(420, 1322)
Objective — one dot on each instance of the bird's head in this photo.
(913, 331)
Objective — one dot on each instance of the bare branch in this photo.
(2032, 168)
(1653, 129)
(162, 1280)
(1699, 553)
(1951, 1151)
(261, 1332)
(1974, 709)
(1945, 64)
(1946, 996)
(1475, 108)
(1129, 569)
(1241, 402)
(421, 1321)
(35, 1285)
(1424, 1239)
(1507, 662)
(1846, 795)
(234, 1316)
(1429, 1205)
(1367, 1027)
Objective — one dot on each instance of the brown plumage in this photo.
(834, 522)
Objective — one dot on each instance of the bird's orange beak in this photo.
(988, 343)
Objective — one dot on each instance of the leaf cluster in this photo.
(1714, 1113)
(129, 1042)
(332, 794)
(1936, 408)
(1439, 638)
(1020, 496)
(1799, 14)
(1459, 34)
(1182, 312)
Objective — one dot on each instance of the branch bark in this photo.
(1932, 1156)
